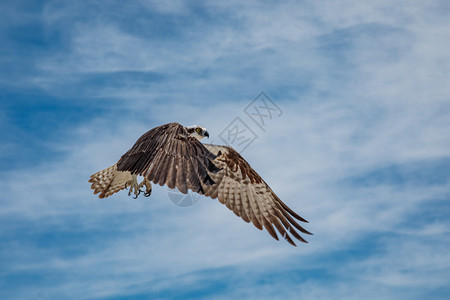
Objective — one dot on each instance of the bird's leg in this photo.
(148, 187)
(134, 186)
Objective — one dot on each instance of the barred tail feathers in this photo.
(109, 181)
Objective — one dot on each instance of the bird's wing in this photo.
(168, 155)
(244, 192)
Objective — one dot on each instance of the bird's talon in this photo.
(148, 187)
(133, 187)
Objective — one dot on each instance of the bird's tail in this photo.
(109, 181)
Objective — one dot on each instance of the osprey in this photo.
(173, 155)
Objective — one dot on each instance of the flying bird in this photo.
(173, 155)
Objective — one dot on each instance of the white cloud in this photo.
(383, 102)
(207, 236)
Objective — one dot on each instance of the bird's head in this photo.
(198, 131)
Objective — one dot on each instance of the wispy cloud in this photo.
(361, 150)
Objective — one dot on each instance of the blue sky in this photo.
(361, 149)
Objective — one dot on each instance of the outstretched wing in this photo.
(243, 191)
(168, 155)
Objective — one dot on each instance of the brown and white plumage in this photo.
(172, 154)
(169, 155)
(109, 181)
(244, 192)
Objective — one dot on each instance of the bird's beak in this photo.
(207, 134)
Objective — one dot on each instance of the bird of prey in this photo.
(172, 154)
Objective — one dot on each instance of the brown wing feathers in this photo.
(168, 155)
(244, 192)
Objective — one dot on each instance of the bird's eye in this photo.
(198, 130)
